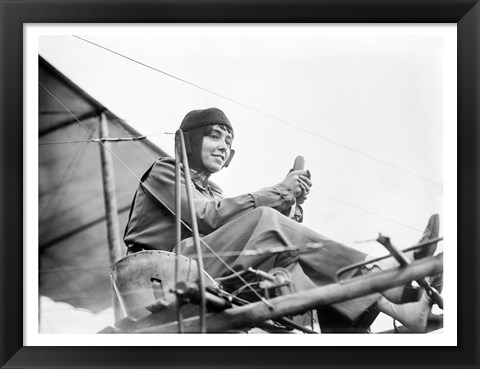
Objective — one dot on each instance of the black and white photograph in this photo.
(296, 181)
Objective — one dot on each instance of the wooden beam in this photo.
(297, 303)
(111, 208)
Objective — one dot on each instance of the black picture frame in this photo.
(14, 14)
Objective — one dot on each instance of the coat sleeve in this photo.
(212, 213)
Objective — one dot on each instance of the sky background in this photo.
(365, 106)
(364, 110)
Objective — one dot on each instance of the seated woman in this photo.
(249, 222)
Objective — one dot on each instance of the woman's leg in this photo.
(263, 229)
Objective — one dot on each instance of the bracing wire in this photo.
(367, 211)
(343, 202)
(141, 146)
(252, 168)
(301, 249)
(313, 191)
(258, 111)
(233, 271)
(258, 170)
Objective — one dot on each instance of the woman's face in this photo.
(216, 149)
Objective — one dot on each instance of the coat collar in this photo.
(201, 181)
(199, 178)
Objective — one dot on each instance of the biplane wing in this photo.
(73, 247)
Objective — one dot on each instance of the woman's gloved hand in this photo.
(299, 182)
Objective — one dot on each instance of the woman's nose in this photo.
(223, 146)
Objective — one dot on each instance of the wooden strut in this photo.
(178, 227)
(196, 237)
(297, 303)
(111, 208)
(403, 260)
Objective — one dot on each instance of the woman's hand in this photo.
(299, 182)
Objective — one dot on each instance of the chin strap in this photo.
(229, 160)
